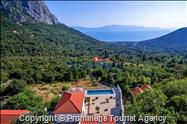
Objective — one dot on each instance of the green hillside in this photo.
(42, 39)
(175, 41)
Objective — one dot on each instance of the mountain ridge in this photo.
(40, 38)
(174, 41)
(33, 11)
(34, 37)
(115, 27)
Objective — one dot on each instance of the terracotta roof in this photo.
(7, 116)
(145, 86)
(137, 90)
(70, 103)
(97, 59)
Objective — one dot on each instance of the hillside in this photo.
(42, 39)
(28, 28)
(30, 34)
(173, 42)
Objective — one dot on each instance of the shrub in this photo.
(54, 103)
(106, 110)
(15, 87)
(64, 88)
(107, 100)
(26, 100)
(97, 108)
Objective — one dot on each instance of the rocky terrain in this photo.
(34, 11)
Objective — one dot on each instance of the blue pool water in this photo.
(99, 92)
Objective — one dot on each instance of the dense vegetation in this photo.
(40, 53)
(169, 99)
(26, 100)
(42, 39)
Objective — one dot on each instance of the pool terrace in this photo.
(105, 102)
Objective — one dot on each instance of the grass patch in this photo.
(50, 91)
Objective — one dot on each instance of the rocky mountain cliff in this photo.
(21, 11)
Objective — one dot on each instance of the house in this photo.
(81, 103)
(138, 90)
(97, 59)
(71, 103)
(9, 116)
(145, 86)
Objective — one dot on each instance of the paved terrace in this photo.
(101, 104)
(105, 104)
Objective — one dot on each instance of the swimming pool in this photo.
(99, 92)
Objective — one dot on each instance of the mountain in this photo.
(174, 41)
(123, 32)
(36, 37)
(109, 28)
(25, 10)
(39, 37)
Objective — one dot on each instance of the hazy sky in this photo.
(94, 14)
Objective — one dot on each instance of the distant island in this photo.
(113, 33)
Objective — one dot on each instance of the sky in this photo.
(168, 14)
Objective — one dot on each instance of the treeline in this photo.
(127, 71)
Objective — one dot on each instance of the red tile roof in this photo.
(7, 116)
(70, 103)
(97, 59)
(135, 91)
(138, 90)
(145, 86)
